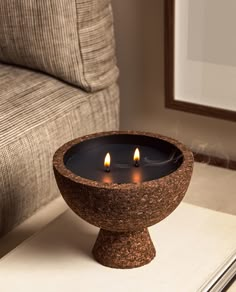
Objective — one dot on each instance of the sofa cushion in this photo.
(37, 115)
(71, 40)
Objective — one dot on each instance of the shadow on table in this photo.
(67, 238)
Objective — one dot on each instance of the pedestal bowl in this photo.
(127, 200)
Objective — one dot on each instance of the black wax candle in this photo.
(158, 158)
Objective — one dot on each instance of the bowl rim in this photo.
(59, 166)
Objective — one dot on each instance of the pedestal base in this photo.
(124, 250)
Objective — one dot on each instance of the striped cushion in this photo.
(70, 39)
(37, 115)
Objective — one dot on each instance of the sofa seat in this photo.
(38, 113)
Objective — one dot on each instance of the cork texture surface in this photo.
(124, 250)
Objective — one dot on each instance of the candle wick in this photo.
(107, 169)
(136, 164)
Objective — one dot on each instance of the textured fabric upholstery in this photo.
(70, 39)
(38, 114)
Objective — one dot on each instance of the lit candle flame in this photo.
(107, 162)
(136, 157)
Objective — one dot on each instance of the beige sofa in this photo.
(57, 81)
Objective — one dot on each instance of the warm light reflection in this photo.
(107, 162)
(107, 179)
(136, 176)
(136, 157)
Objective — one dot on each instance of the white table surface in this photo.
(191, 244)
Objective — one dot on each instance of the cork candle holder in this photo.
(127, 195)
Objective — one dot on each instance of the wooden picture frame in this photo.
(170, 101)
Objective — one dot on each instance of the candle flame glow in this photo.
(107, 160)
(136, 176)
(136, 155)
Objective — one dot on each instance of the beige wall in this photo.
(139, 28)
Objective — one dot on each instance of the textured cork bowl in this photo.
(123, 211)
